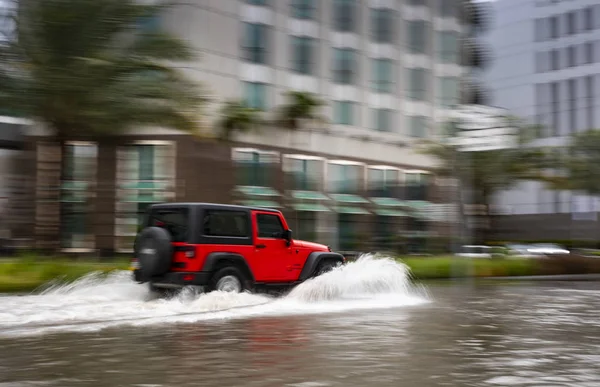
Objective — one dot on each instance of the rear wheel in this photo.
(160, 292)
(228, 279)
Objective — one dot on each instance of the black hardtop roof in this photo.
(214, 206)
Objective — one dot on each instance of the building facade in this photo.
(389, 71)
(546, 69)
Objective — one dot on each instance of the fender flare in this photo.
(314, 259)
(214, 260)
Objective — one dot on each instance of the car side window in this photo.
(269, 226)
(224, 223)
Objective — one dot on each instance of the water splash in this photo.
(370, 275)
(98, 301)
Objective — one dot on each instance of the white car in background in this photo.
(475, 251)
(547, 249)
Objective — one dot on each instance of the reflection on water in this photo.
(492, 335)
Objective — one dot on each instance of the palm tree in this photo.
(236, 117)
(87, 68)
(301, 106)
(488, 172)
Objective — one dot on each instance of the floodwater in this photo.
(361, 325)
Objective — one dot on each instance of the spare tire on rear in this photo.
(154, 252)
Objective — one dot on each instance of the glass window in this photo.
(418, 126)
(416, 186)
(382, 182)
(253, 168)
(226, 223)
(448, 92)
(382, 75)
(255, 95)
(540, 29)
(304, 174)
(382, 120)
(348, 232)
(255, 43)
(344, 178)
(417, 36)
(447, 8)
(382, 22)
(571, 56)
(150, 24)
(303, 9)
(589, 53)
(588, 19)
(303, 48)
(554, 30)
(571, 23)
(145, 174)
(258, 2)
(343, 112)
(174, 220)
(269, 226)
(554, 60)
(448, 47)
(306, 226)
(417, 84)
(79, 168)
(344, 67)
(344, 15)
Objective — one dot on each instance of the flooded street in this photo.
(361, 326)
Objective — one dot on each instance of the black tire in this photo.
(154, 252)
(161, 292)
(326, 266)
(231, 273)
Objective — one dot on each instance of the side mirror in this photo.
(287, 235)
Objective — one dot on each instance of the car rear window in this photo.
(174, 220)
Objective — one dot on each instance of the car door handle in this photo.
(260, 246)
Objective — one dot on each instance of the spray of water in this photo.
(97, 301)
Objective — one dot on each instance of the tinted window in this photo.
(269, 226)
(225, 223)
(174, 220)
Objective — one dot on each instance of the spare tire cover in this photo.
(154, 251)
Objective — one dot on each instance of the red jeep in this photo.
(223, 247)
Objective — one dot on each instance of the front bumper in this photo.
(175, 279)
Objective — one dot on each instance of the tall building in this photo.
(388, 70)
(546, 69)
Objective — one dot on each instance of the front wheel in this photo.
(326, 267)
(228, 279)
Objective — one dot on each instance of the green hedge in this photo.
(456, 267)
(30, 272)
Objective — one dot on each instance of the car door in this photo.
(271, 250)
